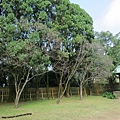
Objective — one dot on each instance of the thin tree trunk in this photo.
(25, 93)
(68, 90)
(74, 69)
(37, 86)
(62, 92)
(37, 91)
(17, 98)
(19, 92)
(47, 87)
(60, 86)
(81, 92)
(11, 96)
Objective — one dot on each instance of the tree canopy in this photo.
(110, 43)
(37, 36)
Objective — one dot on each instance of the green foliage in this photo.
(34, 34)
(114, 53)
(15, 47)
(111, 44)
(109, 95)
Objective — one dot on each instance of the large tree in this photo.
(95, 65)
(20, 26)
(24, 56)
(24, 60)
(111, 46)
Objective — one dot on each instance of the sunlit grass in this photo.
(90, 108)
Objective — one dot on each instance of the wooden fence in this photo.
(41, 93)
(4, 93)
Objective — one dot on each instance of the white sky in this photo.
(112, 17)
(105, 13)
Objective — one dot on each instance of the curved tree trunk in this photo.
(67, 93)
(19, 92)
(63, 92)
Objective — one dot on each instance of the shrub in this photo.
(109, 95)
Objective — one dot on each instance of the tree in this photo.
(22, 26)
(74, 25)
(114, 50)
(110, 43)
(84, 74)
(25, 57)
(106, 39)
(67, 68)
(26, 61)
(95, 65)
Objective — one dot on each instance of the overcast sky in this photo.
(105, 13)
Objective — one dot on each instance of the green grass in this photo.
(90, 108)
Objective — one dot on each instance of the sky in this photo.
(105, 13)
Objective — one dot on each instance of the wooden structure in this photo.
(117, 72)
(41, 93)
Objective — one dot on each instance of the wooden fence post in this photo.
(97, 91)
(42, 94)
(30, 96)
(85, 92)
(78, 91)
(52, 93)
(2, 96)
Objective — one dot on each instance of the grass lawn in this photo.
(90, 108)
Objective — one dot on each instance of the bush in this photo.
(109, 95)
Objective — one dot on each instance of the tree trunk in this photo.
(37, 93)
(60, 87)
(111, 84)
(67, 93)
(11, 96)
(90, 87)
(60, 91)
(47, 87)
(37, 87)
(81, 91)
(58, 100)
(17, 98)
(25, 93)
(19, 92)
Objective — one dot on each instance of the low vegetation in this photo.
(90, 108)
(109, 95)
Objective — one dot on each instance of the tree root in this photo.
(16, 115)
